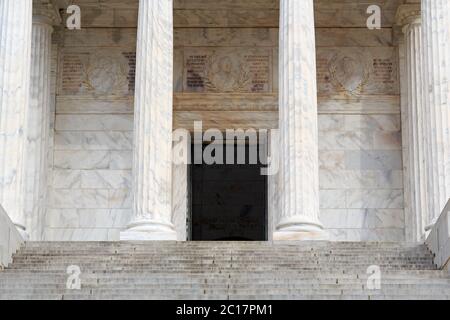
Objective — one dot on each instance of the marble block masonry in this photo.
(86, 116)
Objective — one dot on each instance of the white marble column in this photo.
(409, 18)
(44, 16)
(15, 56)
(436, 45)
(152, 182)
(299, 164)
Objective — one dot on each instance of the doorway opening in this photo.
(229, 200)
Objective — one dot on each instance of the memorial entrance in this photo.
(229, 200)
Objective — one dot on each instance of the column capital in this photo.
(45, 12)
(407, 15)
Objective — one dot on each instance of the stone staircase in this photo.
(223, 270)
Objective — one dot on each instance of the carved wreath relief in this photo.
(346, 71)
(223, 74)
(96, 73)
(349, 72)
(106, 73)
(227, 70)
(353, 72)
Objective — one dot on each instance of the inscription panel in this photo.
(224, 70)
(357, 71)
(340, 71)
(97, 72)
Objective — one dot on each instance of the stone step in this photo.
(193, 292)
(281, 254)
(309, 262)
(289, 274)
(306, 262)
(416, 287)
(205, 248)
(250, 253)
(187, 256)
(230, 276)
(220, 248)
(231, 282)
(225, 267)
(223, 297)
(223, 270)
(224, 245)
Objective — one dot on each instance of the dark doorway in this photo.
(229, 201)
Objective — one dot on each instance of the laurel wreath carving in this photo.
(98, 61)
(333, 66)
(240, 80)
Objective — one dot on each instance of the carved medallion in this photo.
(227, 70)
(224, 74)
(349, 72)
(106, 73)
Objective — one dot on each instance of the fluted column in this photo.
(436, 44)
(299, 167)
(15, 47)
(44, 16)
(409, 17)
(152, 182)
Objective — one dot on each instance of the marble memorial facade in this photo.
(364, 148)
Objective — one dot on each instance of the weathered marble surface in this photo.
(232, 37)
(101, 72)
(436, 44)
(51, 145)
(341, 14)
(299, 167)
(413, 115)
(228, 70)
(180, 199)
(222, 13)
(357, 196)
(152, 155)
(356, 71)
(15, 58)
(377, 235)
(377, 86)
(38, 126)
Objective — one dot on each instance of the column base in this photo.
(300, 229)
(149, 230)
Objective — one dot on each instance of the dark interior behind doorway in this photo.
(229, 201)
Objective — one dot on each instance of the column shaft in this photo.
(15, 56)
(152, 182)
(38, 121)
(299, 167)
(413, 123)
(436, 44)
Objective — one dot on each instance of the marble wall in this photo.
(361, 177)
(226, 74)
(89, 196)
(360, 147)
